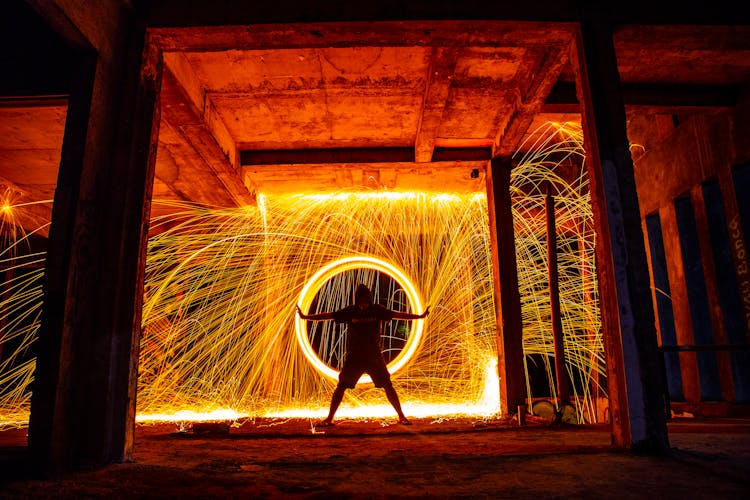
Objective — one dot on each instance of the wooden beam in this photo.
(634, 364)
(507, 296)
(439, 77)
(680, 306)
(713, 294)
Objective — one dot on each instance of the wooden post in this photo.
(712, 291)
(563, 391)
(691, 388)
(634, 372)
(505, 276)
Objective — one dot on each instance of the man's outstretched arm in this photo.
(405, 315)
(315, 317)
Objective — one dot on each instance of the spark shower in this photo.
(220, 332)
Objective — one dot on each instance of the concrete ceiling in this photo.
(392, 105)
(360, 105)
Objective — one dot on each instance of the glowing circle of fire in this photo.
(346, 264)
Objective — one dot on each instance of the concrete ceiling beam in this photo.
(180, 112)
(542, 75)
(362, 34)
(183, 72)
(439, 77)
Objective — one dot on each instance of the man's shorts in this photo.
(354, 368)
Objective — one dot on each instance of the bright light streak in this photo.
(220, 328)
(222, 284)
(356, 262)
(366, 195)
(486, 406)
(191, 416)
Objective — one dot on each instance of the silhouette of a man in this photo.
(363, 354)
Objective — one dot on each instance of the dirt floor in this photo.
(381, 459)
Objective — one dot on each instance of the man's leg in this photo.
(336, 398)
(390, 393)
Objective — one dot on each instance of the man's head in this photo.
(362, 296)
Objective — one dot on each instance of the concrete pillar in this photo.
(83, 402)
(634, 365)
(505, 276)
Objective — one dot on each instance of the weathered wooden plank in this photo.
(507, 296)
(634, 364)
(712, 291)
(680, 305)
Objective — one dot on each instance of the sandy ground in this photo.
(381, 459)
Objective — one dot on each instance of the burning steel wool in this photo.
(221, 338)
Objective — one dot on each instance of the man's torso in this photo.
(363, 329)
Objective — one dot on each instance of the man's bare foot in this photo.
(404, 421)
(325, 423)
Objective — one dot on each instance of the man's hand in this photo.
(425, 313)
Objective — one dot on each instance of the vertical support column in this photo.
(712, 291)
(131, 209)
(83, 403)
(691, 389)
(505, 276)
(561, 374)
(584, 247)
(49, 437)
(634, 365)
